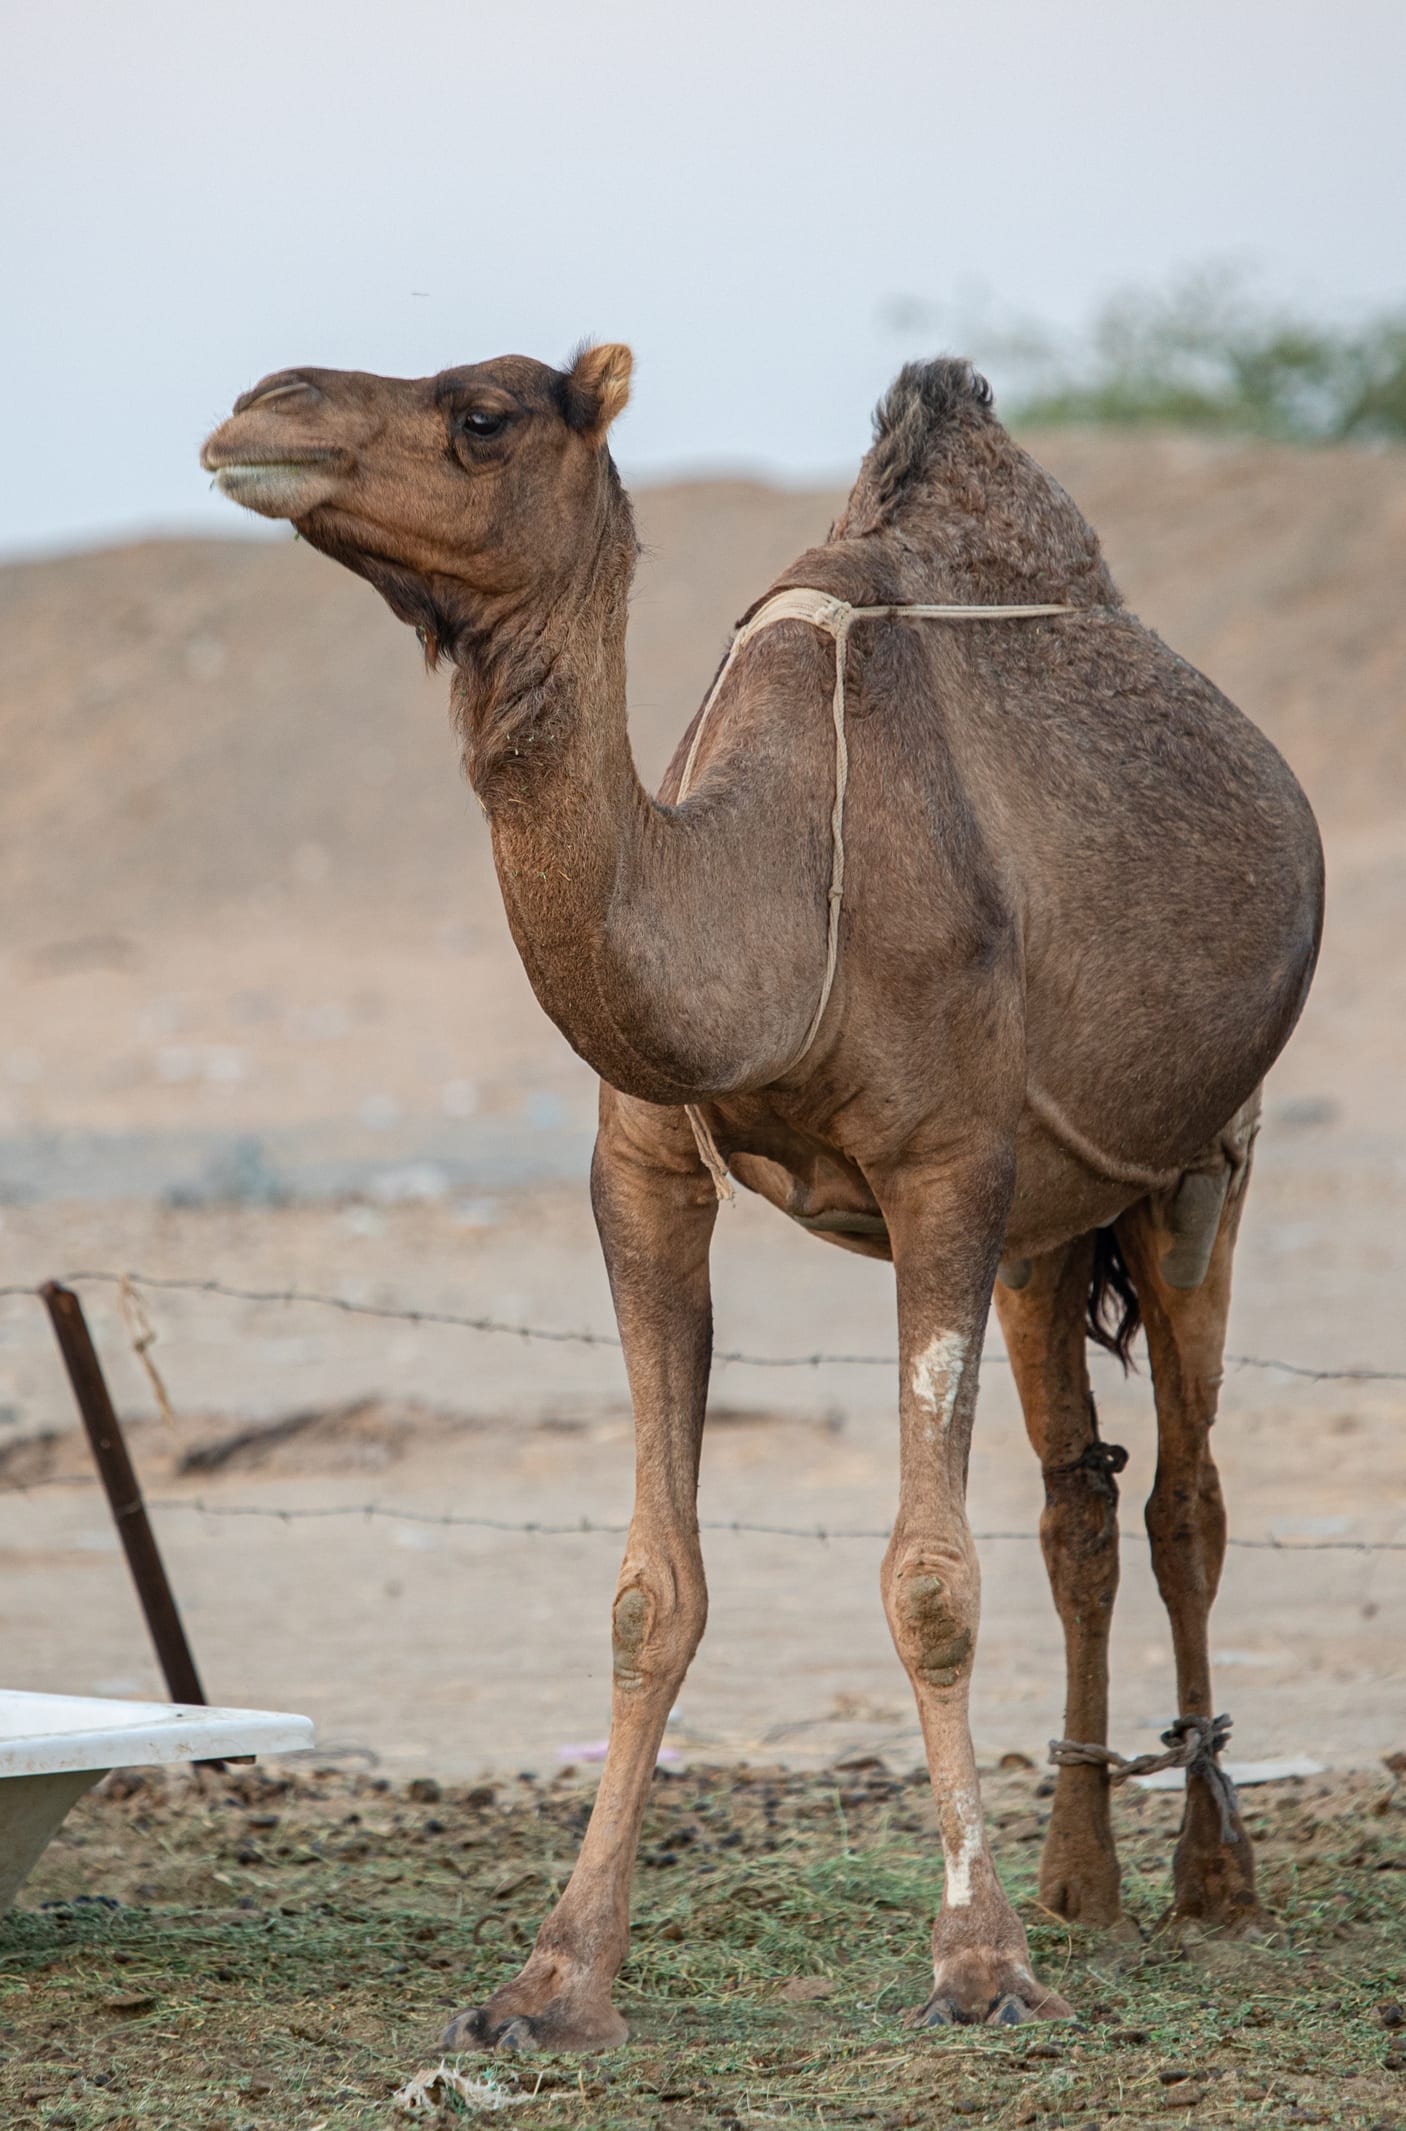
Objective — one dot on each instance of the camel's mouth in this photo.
(278, 488)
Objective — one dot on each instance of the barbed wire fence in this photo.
(130, 1286)
(400, 1313)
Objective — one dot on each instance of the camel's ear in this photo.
(598, 386)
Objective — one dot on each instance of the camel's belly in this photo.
(864, 1232)
(1055, 1197)
(827, 1196)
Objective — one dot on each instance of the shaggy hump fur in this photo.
(924, 399)
(989, 522)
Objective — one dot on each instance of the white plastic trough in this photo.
(54, 1746)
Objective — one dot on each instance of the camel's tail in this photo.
(1114, 1315)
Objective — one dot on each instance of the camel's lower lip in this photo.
(277, 488)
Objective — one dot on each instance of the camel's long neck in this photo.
(605, 891)
(548, 753)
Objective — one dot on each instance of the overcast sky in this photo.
(197, 193)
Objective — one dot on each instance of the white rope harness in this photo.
(836, 617)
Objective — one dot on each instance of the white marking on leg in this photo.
(937, 1378)
(957, 1877)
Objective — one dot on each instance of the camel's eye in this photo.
(479, 422)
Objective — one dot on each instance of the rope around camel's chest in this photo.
(836, 617)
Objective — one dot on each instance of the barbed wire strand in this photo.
(558, 1336)
(390, 1512)
(127, 1282)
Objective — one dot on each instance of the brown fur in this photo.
(1082, 910)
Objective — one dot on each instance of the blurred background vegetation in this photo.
(1209, 352)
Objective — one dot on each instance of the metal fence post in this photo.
(124, 1492)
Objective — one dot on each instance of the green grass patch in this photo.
(268, 1954)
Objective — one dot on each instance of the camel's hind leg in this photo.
(1168, 1242)
(1043, 1322)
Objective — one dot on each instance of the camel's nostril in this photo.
(286, 385)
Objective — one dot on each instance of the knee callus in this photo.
(655, 1628)
(932, 1614)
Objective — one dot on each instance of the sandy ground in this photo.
(261, 1022)
(459, 1648)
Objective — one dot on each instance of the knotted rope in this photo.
(1104, 1460)
(142, 1334)
(1192, 1743)
(836, 617)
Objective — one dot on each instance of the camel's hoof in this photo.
(521, 2034)
(1239, 1928)
(1009, 2009)
(988, 1989)
(938, 2012)
(518, 2038)
(471, 2031)
(1110, 1922)
(1094, 1903)
(1238, 1938)
(466, 2031)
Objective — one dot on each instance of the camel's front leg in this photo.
(946, 1224)
(655, 1211)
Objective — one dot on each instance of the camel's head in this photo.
(459, 496)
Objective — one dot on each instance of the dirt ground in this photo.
(277, 1952)
(262, 1022)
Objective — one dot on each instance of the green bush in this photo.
(1210, 354)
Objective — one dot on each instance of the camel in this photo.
(1015, 1047)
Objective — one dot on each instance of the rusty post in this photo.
(124, 1492)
